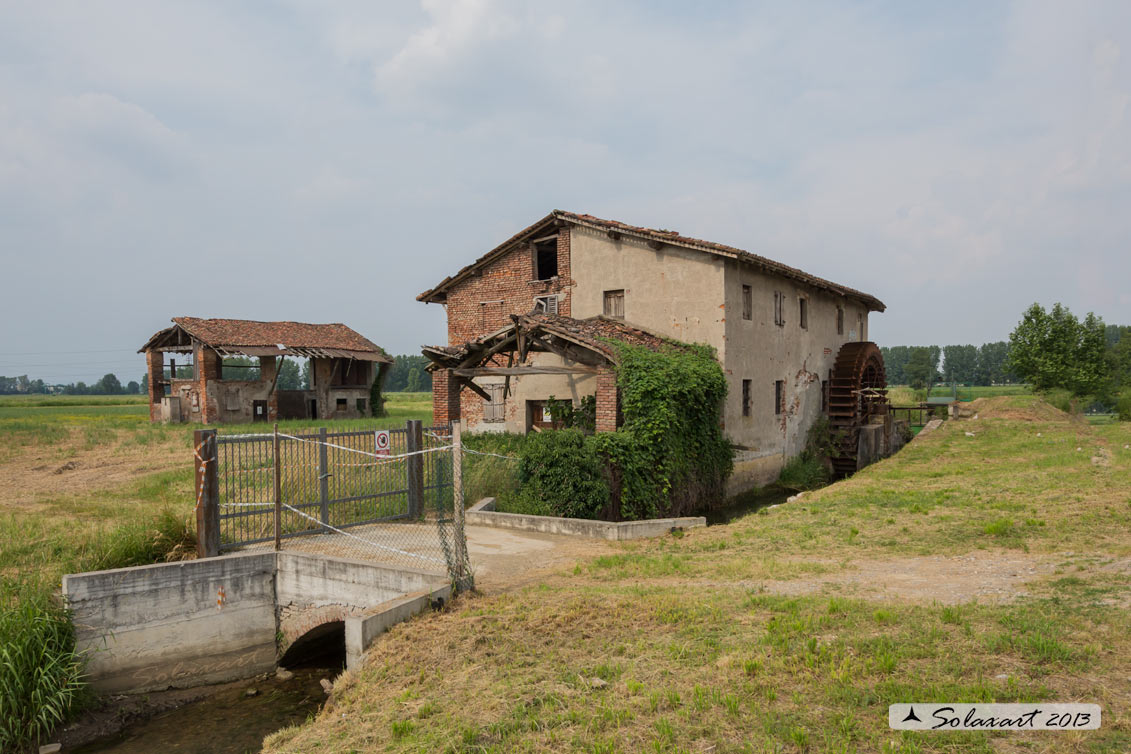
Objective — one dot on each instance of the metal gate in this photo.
(383, 494)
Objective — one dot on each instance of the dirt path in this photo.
(986, 577)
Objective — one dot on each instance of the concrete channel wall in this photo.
(220, 619)
(481, 514)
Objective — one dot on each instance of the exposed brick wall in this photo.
(445, 397)
(209, 368)
(608, 401)
(155, 366)
(484, 302)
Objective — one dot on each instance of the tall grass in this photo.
(40, 671)
(41, 682)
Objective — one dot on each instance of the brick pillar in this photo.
(155, 368)
(267, 367)
(208, 368)
(445, 397)
(608, 401)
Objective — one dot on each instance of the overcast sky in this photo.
(328, 161)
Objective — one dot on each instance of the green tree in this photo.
(289, 376)
(895, 359)
(1054, 349)
(991, 363)
(1119, 358)
(108, 385)
(132, 388)
(920, 370)
(960, 363)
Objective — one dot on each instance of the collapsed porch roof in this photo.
(583, 342)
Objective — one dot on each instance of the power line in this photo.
(48, 353)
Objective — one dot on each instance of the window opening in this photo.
(614, 304)
(546, 259)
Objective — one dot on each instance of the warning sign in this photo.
(381, 442)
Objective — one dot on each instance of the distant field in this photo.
(902, 395)
(16, 401)
(74, 467)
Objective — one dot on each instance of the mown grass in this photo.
(688, 643)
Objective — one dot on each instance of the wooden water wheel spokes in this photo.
(858, 390)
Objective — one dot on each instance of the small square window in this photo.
(779, 397)
(342, 404)
(361, 405)
(546, 304)
(614, 304)
(746, 397)
(747, 303)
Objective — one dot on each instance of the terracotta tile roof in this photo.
(663, 236)
(247, 333)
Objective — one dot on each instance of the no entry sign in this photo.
(381, 442)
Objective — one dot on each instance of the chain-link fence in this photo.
(388, 495)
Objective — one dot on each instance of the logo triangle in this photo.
(911, 716)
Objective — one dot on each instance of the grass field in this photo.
(902, 395)
(990, 566)
(74, 468)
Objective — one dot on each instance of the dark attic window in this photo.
(546, 258)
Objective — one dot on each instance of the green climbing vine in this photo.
(669, 458)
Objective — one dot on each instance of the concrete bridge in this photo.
(220, 619)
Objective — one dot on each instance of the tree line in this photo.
(108, 385)
(407, 373)
(919, 366)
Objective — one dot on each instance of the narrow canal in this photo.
(236, 718)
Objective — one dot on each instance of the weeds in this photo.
(40, 672)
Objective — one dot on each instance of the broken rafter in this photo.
(473, 387)
(517, 371)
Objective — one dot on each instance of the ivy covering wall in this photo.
(669, 458)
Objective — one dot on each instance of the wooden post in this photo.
(457, 502)
(278, 492)
(323, 479)
(414, 465)
(207, 493)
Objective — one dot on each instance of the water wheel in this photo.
(858, 390)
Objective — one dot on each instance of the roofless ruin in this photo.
(201, 388)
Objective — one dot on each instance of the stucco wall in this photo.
(673, 291)
(763, 352)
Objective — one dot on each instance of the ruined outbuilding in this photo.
(200, 388)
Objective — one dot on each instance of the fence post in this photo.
(323, 478)
(278, 492)
(457, 503)
(414, 442)
(207, 493)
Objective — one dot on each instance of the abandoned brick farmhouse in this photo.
(777, 330)
(201, 388)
